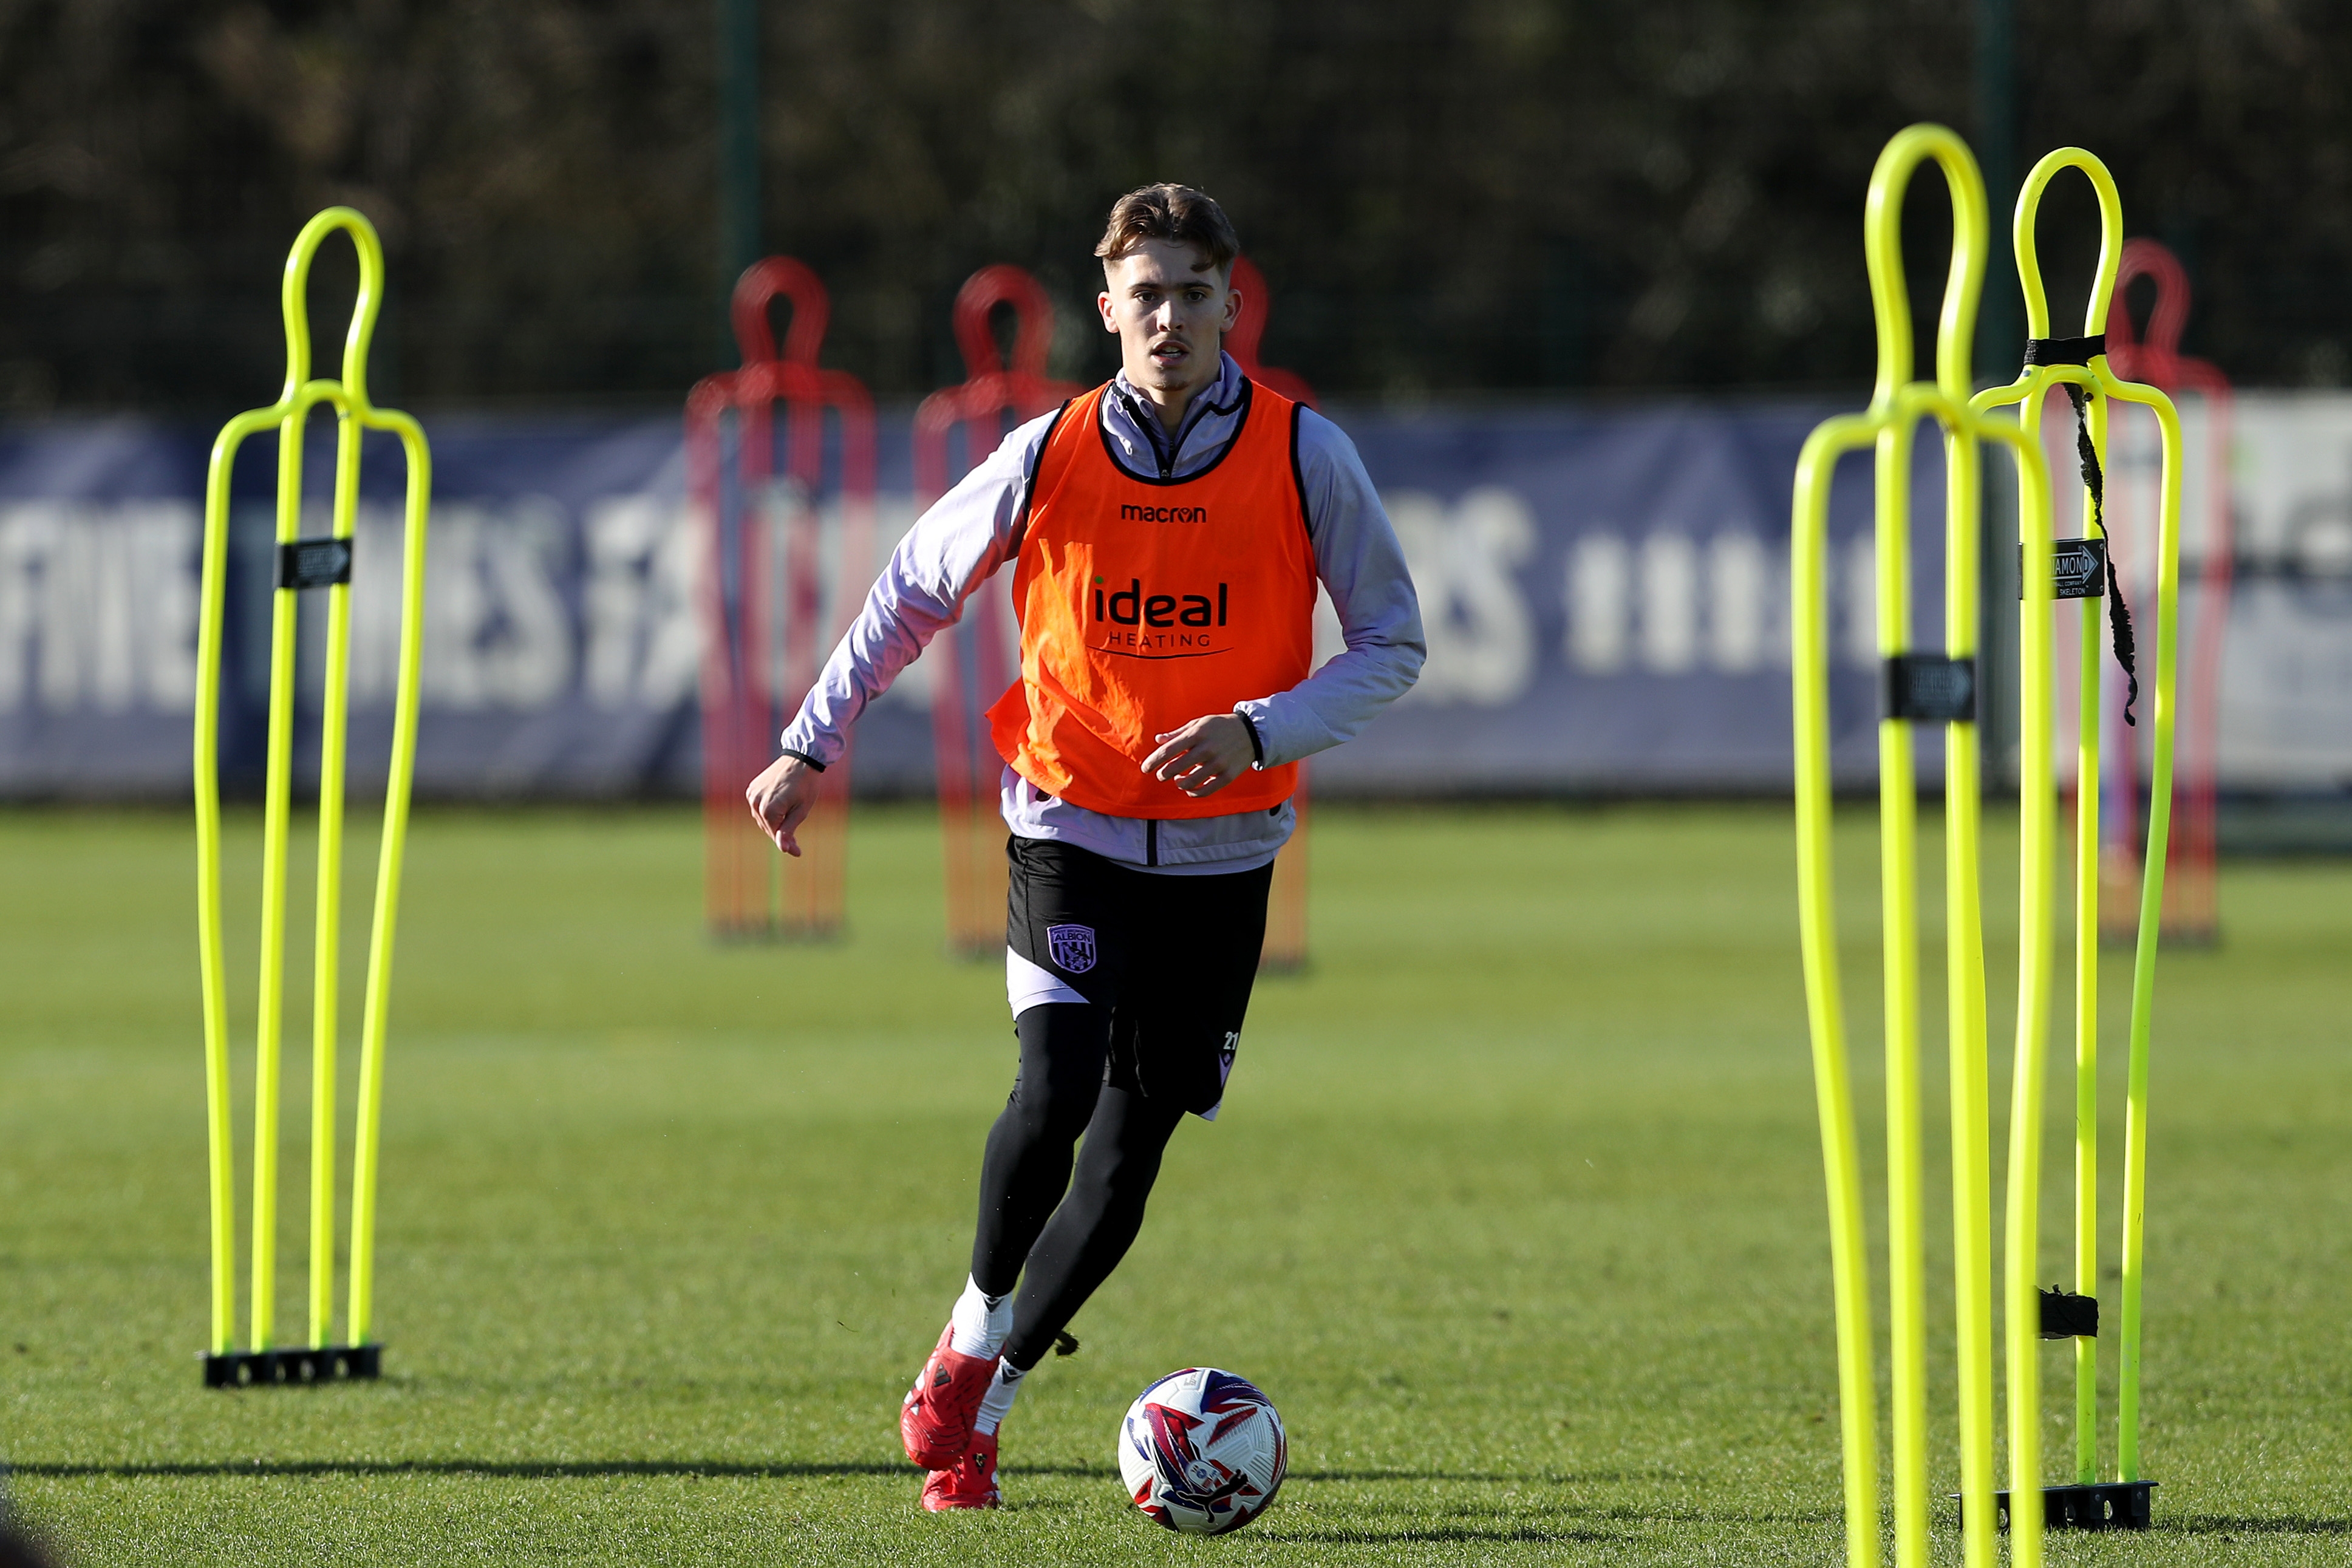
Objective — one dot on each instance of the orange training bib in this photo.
(1145, 605)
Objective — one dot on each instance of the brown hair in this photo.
(1177, 213)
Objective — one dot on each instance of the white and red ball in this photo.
(1202, 1451)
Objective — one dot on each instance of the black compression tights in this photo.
(1061, 1236)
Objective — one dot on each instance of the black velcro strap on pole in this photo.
(2066, 1316)
(314, 564)
(2064, 350)
(1928, 687)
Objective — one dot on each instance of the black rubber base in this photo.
(323, 1364)
(2102, 1505)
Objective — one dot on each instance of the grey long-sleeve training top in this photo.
(976, 528)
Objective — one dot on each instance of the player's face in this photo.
(1171, 312)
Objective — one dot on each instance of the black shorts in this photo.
(1173, 958)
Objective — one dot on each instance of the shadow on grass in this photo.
(1493, 1477)
(559, 1469)
(2225, 1524)
(524, 1470)
(1584, 1534)
(1454, 1534)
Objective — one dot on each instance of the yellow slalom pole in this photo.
(1964, 986)
(2037, 807)
(1898, 791)
(326, 946)
(1898, 846)
(2083, 364)
(367, 1138)
(1817, 924)
(290, 415)
(2151, 915)
(1917, 688)
(2091, 645)
(2036, 891)
(277, 789)
(2037, 824)
(367, 1141)
(2037, 813)
(211, 964)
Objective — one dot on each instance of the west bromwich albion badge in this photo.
(1072, 947)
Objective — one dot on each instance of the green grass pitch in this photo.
(1516, 1210)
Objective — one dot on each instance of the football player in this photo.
(1167, 533)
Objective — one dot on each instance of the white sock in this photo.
(981, 1322)
(997, 1403)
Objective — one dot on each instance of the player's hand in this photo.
(781, 799)
(1204, 756)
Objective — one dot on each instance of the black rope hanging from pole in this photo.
(2119, 625)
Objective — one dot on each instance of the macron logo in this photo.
(1163, 513)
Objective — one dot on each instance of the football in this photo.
(1202, 1451)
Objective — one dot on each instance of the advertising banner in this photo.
(1604, 589)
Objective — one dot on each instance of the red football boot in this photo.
(936, 1421)
(970, 1482)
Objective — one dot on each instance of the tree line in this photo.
(1475, 196)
